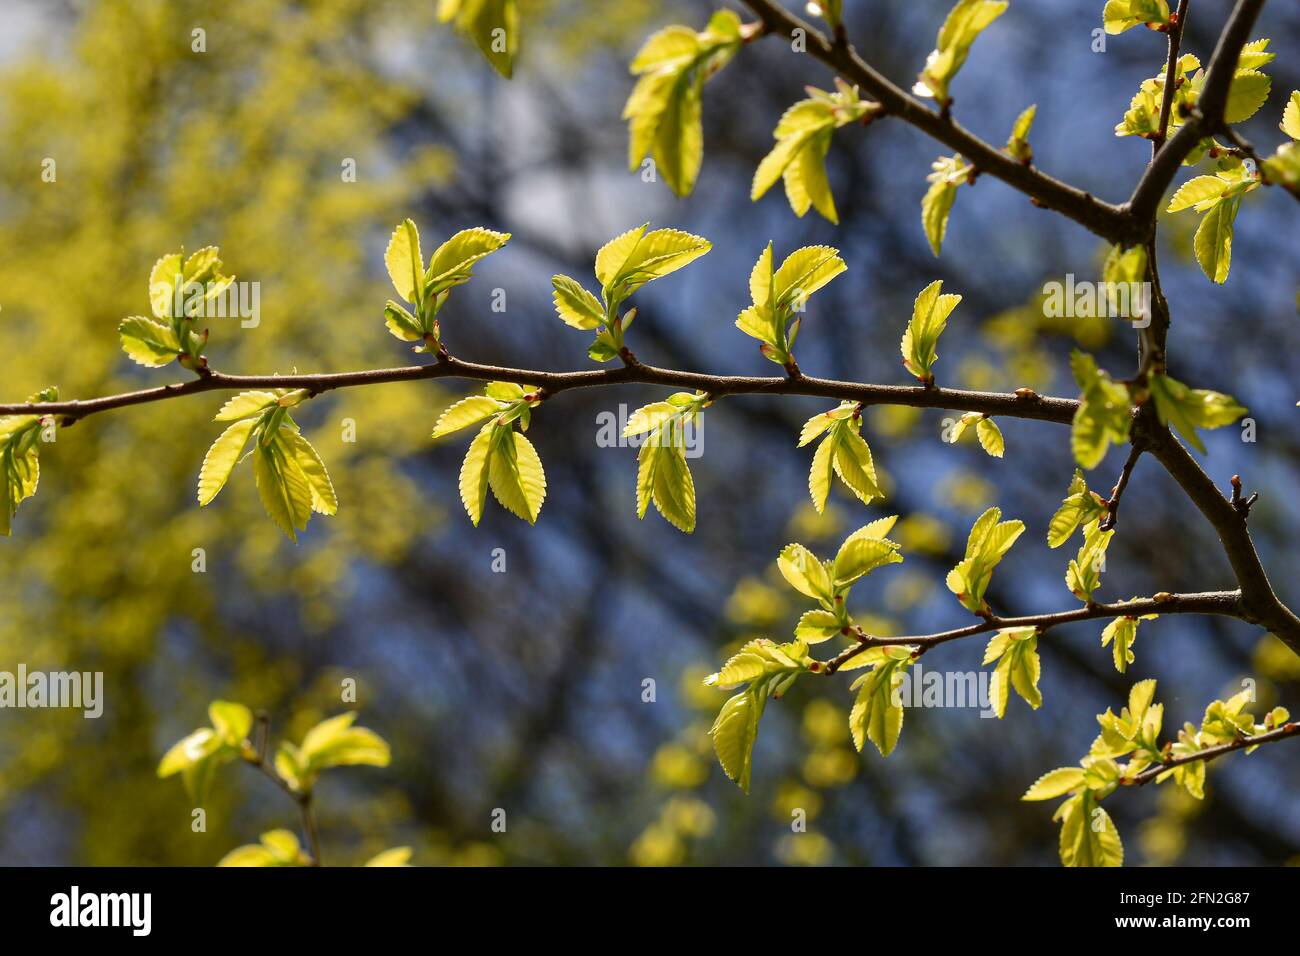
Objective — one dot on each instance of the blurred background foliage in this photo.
(523, 690)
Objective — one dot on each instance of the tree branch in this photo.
(1108, 221)
(1224, 603)
(1023, 404)
(1260, 605)
(1209, 753)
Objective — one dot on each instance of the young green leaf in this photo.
(248, 404)
(1083, 576)
(990, 437)
(199, 755)
(278, 848)
(860, 555)
(1088, 835)
(1104, 412)
(1283, 167)
(1246, 94)
(950, 173)
(1143, 115)
(283, 488)
(1187, 409)
(500, 457)
(1018, 143)
(493, 25)
(147, 342)
(805, 573)
(334, 742)
(1191, 775)
(1125, 269)
(877, 713)
(181, 291)
(780, 296)
(853, 464)
(221, 459)
(1080, 507)
(468, 411)
(1055, 783)
(405, 262)
(20, 467)
(1213, 240)
(474, 474)
(966, 21)
(986, 430)
(291, 478)
(1016, 652)
(623, 265)
(1123, 632)
(323, 499)
(663, 111)
(1121, 15)
(662, 474)
(397, 856)
(515, 475)
(1291, 116)
(575, 305)
(427, 289)
(816, 626)
(231, 721)
(803, 137)
(452, 263)
(769, 669)
(930, 313)
(990, 539)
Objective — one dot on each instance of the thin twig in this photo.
(1171, 64)
(303, 798)
(1260, 604)
(1224, 603)
(1011, 405)
(1108, 221)
(1112, 505)
(1209, 753)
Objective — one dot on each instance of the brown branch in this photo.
(1224, 603)
(1209, 753)
(1011, 405)
(1108, 221)
(1260, 605)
